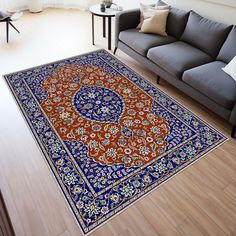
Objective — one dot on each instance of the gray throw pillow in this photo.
(205, 34)
(176, 21)
(228, 50)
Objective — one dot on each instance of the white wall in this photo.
(210, 10)
(213, 11)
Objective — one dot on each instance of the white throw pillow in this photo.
(155, 24)
(230, 69)
(149, 11)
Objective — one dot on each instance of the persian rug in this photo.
(108, 135)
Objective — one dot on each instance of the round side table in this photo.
(109, 13)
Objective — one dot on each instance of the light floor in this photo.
(201, 200)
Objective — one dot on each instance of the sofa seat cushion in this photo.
(141, 42)
(213, 82)
(177, 57)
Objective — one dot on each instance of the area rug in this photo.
(108, 135)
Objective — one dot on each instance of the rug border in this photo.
(225, 138)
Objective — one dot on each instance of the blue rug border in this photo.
(142, 194)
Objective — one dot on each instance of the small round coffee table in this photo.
(109, 13)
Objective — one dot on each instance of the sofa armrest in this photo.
(126, 20)
(233, 116)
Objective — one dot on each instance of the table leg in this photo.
(109, 33)
(93, 29)
(7, 29)
(104, 27)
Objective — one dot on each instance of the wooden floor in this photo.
(201, 200)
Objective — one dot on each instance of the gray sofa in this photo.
(190, 57)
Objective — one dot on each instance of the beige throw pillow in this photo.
(155, 24)
(149, 11)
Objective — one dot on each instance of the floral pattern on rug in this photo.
(108, 135)
(110, 115)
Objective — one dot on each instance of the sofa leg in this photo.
(233, 131)
(158, 79)
(114, 52)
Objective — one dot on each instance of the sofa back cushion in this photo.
(228, 50)
(205, 34)
(176, 21)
